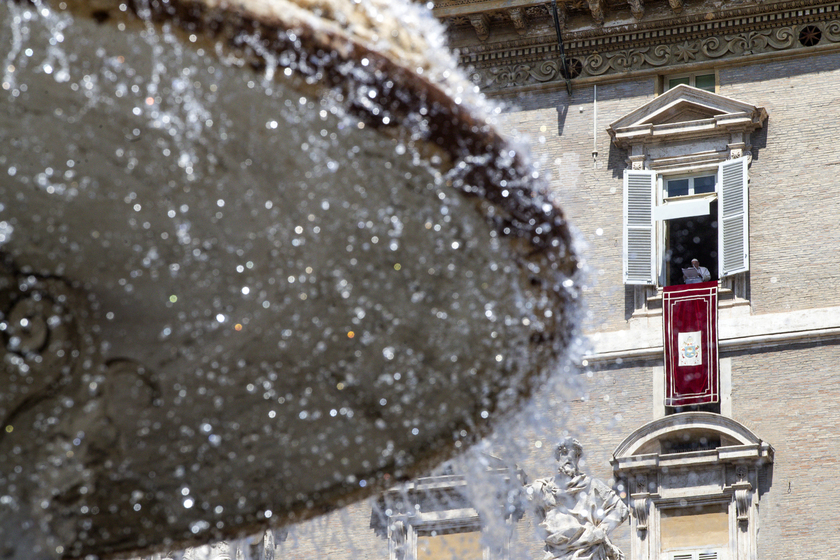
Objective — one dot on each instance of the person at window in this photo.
(696, 273)
(577, 512)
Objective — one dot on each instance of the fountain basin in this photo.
(257, 264)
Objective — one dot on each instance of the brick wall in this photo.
(793, 210)
(590, 190)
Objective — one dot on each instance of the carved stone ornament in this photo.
(743, 493)
(481, 24)
(561, 16)
(517, 16)
(637, 163)
(640, 512)
(596, 8)
(637, 8)
(653, 46)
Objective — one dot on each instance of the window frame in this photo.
(727, 474)
(662, 84)
(405, 513)
(643, 219)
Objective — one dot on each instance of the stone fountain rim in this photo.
(458, 133)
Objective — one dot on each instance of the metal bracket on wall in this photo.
(563, 63)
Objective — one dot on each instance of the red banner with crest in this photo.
(691, 344)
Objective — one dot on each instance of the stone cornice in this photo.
(596, 54)
(738, 333)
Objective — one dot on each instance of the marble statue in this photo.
(577, 513)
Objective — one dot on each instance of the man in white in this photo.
(577, 512)
(701, 270)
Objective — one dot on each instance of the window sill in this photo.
(727, 299)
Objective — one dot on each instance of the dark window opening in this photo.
(695, 237)
(685, 445)
(710, 407)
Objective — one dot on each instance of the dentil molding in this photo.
(789, 29)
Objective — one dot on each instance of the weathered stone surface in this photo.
(254, 265)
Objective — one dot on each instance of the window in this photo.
(433, 518)
(694, 533)
(702, 216)
(687, 186)
(693, 485)
(705, 81)
(450, 546)
(674, 144)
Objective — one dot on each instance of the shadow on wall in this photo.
(562, 111)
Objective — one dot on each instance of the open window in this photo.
(670, 220)
(686, 188)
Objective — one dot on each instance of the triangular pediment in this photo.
(697, 109)
(684, 112)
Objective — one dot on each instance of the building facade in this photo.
(673, 131)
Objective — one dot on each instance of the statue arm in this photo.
(540, 494)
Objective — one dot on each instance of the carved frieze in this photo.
(695, 41)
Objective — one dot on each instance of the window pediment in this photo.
(661, 435)
(683, 113)
(692, 483)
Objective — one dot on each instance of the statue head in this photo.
(568, 452)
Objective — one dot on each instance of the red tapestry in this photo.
(691, 344)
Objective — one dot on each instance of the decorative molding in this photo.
(743, 493)
(640, 512)
(637, 8)
(517, 16)
(685, 114)
(605, 52)
(721, 467)
(481, 24)
(597, 8)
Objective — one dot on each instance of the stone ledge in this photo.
(738, 331)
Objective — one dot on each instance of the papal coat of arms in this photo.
(688, 344)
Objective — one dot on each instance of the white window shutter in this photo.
(696, 555)
(733, 218)
(639, 238)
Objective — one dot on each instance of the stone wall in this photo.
(792, 214)
(787, 397)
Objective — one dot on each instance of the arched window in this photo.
(693, 481)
